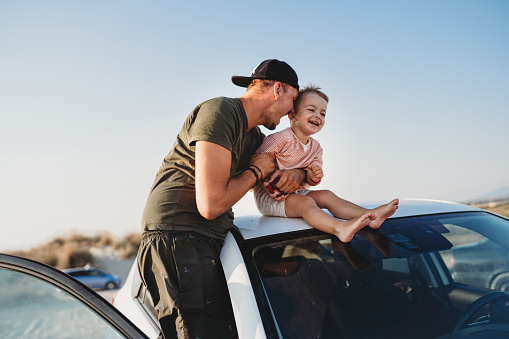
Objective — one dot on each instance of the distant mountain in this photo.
(498, 194)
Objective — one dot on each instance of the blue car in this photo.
(94, 278)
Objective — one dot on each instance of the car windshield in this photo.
(412, 278)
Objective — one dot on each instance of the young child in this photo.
(294, 148)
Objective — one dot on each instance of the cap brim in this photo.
(241, 81)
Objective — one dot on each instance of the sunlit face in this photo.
(282, 107)
(309, 116)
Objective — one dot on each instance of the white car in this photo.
(288, 280)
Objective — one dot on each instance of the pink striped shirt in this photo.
(290, 152)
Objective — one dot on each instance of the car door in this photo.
(38, 301)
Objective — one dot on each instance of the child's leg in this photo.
(339, 208)
(346, 210)
(298, 206)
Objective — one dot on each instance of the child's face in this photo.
(309, 116)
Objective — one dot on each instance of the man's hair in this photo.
(263, 84)
(311, 88)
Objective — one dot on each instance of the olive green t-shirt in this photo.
(171, 204)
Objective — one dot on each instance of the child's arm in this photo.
(314, 175)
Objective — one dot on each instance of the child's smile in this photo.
(316, 123)
(309, 116)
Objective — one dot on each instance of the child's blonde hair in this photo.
(311, 88)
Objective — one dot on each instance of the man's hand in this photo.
(314, 175)
(289, 182)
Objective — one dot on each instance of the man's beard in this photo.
(271, 126)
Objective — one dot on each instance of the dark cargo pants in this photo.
(185, 278)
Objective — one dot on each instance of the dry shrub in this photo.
(80, 239)
(74, 250)
(57, 242)
(128, 246)
(104, 239)
(502, 209)
(48, 258)
(80, 258)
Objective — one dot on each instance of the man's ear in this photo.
(277, 88)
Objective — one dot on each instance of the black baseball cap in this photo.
(271, 69)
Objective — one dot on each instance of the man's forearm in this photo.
(216, 192)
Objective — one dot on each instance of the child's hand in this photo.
(314, 175)
(280, 184)
(275, 194)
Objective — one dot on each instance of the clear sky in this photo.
(92, 94)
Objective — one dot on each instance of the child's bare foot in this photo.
(347, 229)
(383, 212)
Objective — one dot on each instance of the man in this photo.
(188, 212)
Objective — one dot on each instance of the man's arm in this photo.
(216, 192)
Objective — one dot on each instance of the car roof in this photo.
(255, 226)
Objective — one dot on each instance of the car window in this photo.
(476, 260)
(411, 273)
(33, 308)
(78, 274)
(323, 288)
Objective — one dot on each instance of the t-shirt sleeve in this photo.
(317, 160)
(214, 121)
